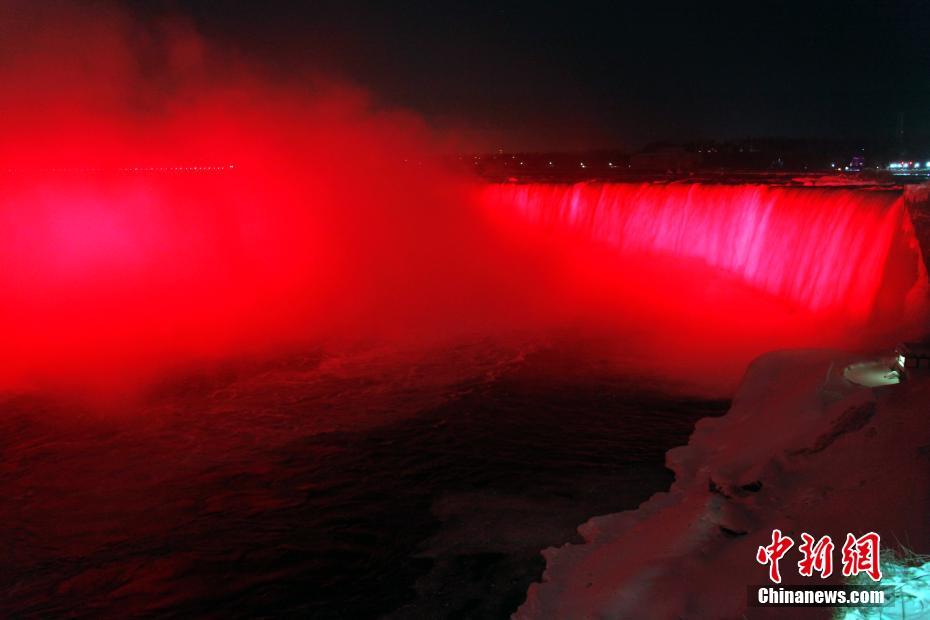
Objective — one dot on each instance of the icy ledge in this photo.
(801, 449)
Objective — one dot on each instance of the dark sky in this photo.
(562, 75)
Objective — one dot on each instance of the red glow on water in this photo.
(830, 251)
(161, 202)
(835, 252)
(107, 274)
(721, 273)
(128, 244)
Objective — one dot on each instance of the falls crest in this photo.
(837, 252)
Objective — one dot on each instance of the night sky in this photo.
(567, 75)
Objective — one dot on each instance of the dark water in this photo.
(409, 486)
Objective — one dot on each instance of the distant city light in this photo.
(916, 166)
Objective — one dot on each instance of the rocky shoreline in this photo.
(802, 450)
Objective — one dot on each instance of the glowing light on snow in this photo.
(907, 595)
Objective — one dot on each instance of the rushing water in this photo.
(847, 253)
(415, 481)
(409, 484)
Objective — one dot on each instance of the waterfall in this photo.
(838, 252)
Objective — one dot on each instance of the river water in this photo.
(417, 483)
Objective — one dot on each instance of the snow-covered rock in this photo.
(802, 450)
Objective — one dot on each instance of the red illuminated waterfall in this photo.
(832, 252)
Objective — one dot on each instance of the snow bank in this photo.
(802, 450)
